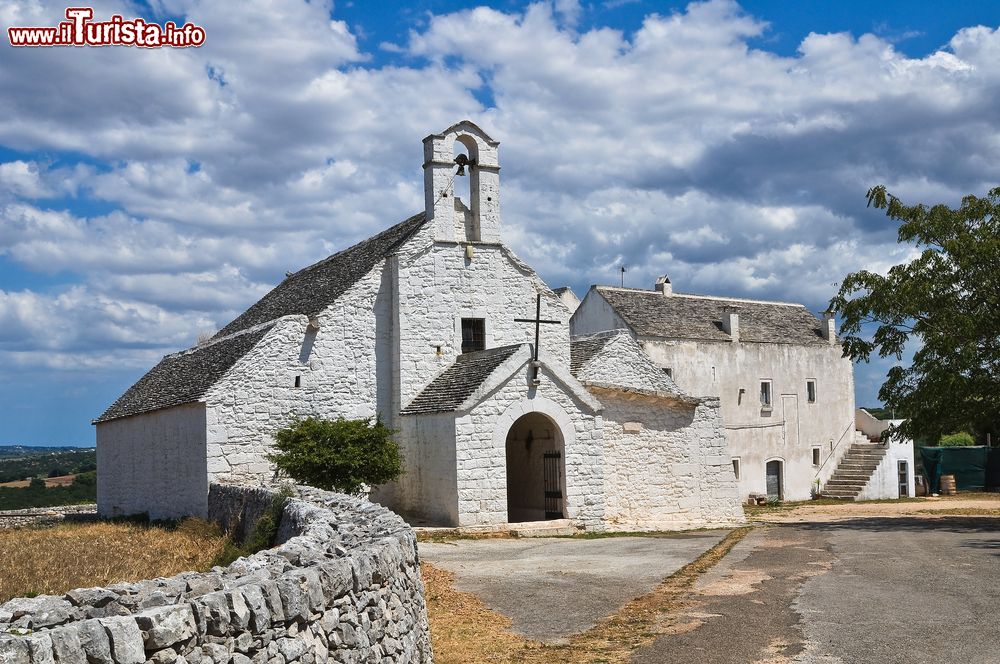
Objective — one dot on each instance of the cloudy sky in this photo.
(147, 196)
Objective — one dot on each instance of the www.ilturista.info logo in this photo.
(79, 30)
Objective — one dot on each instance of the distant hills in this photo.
(15, 451)
(19, 462)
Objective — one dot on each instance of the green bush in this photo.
(338, 455)
(959, 439)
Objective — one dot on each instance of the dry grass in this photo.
(963, 511)
(463, 629)
(43, 561)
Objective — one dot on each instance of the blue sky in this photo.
(147, 197)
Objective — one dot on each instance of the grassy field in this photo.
(40, 493)
(47, 561)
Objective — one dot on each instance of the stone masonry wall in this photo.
(668, 468)
(344, 586)
(481, 450)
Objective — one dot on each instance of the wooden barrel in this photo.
(948, 485)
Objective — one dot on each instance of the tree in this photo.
(340, 455)
(947, 301)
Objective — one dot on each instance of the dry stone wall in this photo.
(38, 516)
(344, 586)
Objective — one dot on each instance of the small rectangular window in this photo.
(811, 391)
(765, 393)
(736, 467)
(298, 381)
(815, 456)
(669, 372)
(473, 334)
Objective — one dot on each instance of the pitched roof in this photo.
(614, 360)
(183, 377)
(457, 383)
(312, 289)
(186, 376)
(583, 349)
(697, 317)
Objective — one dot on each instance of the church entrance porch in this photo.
(535, 469)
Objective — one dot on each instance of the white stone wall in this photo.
(595, 315)
(884, 482)
(622, 363)
(427, 493)
(438, 286)
(481, 436)
(667, 465)
(345, 369)
(153, 463)
(793, 426)
(257, 397)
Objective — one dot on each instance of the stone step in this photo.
(854, 486)
(553, 528)
(840, 477)
(858, 467)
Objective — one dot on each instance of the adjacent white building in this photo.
(429, 325)
(787, 392)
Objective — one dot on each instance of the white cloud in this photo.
(678, 148)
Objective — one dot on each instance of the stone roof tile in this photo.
(583, 349)
(183, 377)
(697, 317)
(458, 382)
(312, 289)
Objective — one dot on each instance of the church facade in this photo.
(438, 328)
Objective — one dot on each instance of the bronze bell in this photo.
(462, 160)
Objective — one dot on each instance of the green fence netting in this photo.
(975, 468)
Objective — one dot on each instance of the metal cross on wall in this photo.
(538, 321)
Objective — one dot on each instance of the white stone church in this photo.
(431, 325)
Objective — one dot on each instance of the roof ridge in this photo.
(371, 238)
(703, 297)
(594, 335)
(470, 355)
(232, 335)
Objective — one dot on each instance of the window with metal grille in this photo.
(473, 334)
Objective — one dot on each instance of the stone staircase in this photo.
(854, 470)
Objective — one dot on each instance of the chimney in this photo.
(663, 285)
(829, 328)
(731, 322)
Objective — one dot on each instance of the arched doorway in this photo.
(535, 469)
(774, 474)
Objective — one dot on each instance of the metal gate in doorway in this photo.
(552, 464)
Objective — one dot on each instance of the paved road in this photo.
(551, 587)
(871, 591)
